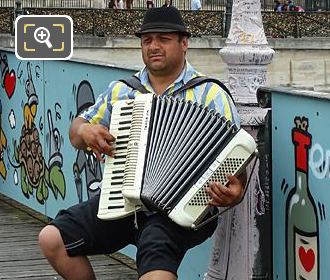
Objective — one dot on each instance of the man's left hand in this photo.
(228, 195)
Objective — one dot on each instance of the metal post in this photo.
(229, 7)
(17, 12)
(247, 55)
(18, 8)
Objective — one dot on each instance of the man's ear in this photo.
(185, 43)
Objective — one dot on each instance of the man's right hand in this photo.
(84, 135)
(98, 139)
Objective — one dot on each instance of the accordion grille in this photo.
(229, 166)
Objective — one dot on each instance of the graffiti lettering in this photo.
(19, 70)
(57, 111)
(37, 70)
(319, 161)
(41, 125)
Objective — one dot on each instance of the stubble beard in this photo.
(158, 68)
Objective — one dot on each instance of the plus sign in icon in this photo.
(47, 37)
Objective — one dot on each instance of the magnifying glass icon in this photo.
(41, 35)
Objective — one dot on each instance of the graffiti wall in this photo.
(38, 101)
(301, 185)
(38, 165)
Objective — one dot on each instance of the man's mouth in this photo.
(155, 56)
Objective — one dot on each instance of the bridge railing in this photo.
(208, 5)
(108, 22)
(296, 25)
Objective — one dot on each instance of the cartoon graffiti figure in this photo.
(35, 174)
(86, 160)
(8, 78)
(30, 108)
(3, 145)
(55, 175)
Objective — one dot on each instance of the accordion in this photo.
(167, 150)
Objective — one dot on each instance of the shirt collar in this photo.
(186, 74)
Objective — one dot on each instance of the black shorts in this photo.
(161, 244)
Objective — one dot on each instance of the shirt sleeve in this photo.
(100, 112)
(216, 98)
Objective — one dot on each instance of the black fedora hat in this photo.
(163, 19)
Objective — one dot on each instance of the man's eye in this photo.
(146, 41)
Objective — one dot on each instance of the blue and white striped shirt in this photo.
(207, 94)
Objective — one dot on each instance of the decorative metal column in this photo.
(246, 53)
(242, 244)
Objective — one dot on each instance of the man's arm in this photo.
(74, 136)
(84, 135)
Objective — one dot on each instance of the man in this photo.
(168, 3)
(150, 4)
(161, 244)
(196, 5)
(129, 4)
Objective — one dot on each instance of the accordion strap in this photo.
(135, 83)
(194, 82)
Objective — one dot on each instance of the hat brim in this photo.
(161, 30)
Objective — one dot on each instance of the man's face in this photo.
(163, 53)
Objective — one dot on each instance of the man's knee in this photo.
(50, 240)
(158, 274)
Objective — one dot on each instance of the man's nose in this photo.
(155, 44)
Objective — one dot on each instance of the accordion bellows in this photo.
(167, 151)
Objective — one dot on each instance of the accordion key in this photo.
(167, 151)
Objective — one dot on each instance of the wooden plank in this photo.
(21, 257)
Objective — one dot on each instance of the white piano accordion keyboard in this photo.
(167, 151)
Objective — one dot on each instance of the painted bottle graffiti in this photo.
(302, 234)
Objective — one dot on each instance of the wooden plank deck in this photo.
(20, 255)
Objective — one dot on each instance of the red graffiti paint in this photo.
(10, 83)
(307, 258)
